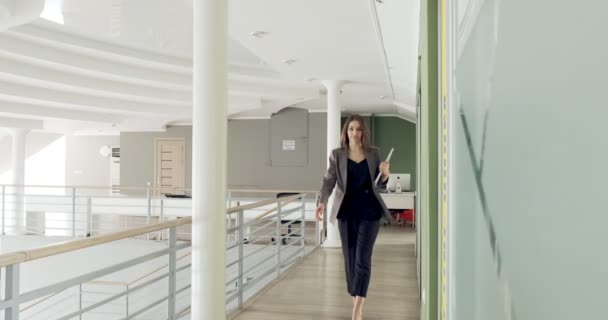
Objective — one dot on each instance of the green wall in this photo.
(393, 132)
(428, 189)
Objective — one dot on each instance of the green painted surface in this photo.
(428, 190)
(389, 132)
(393, 132)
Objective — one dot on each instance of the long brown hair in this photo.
(365, 131)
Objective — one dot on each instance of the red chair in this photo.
(408, 215)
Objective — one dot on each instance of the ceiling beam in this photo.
(70, 67)
(18, 12)
(36, 95)
(42, 112)
(21, 123)
(270, 90)
(85, 64)
(241, 103)
(14, 71)
(47, 34)
(237, 69)
(50, 34)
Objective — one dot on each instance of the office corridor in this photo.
(316, 288)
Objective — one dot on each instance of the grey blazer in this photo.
(337, 174)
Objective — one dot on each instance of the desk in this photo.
(404, 200)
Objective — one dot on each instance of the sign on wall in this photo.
(289, 145)
(288, 128)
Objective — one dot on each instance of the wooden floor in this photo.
(316, 287)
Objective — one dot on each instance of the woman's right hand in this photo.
(319, 211)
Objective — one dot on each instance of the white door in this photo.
(170, 167)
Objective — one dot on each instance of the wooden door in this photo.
(170, 167)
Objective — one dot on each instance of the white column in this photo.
(333, 141)
(209, 134)
(18, 157)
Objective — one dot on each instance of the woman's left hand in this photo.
(384, 169)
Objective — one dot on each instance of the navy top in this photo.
(359, 200)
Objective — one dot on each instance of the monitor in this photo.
(404, 180)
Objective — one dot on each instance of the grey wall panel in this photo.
(249, 152)
(249, 161)
(289, 138)
(137, 155)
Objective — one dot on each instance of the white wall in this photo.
(84, 165)
(45, 157)
(54, 159)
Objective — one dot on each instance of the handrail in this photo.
(47, 296)
(90, 187)
(265, 213)
(269, 211)
(157, 269)
(272, 191)
(41, 300)
(107, 283)
(67, 246)
(11, 258)
(96, 282)
(262, 203)
(182, 312)
(121, 283)
(154, 188)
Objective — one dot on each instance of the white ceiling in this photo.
(328, 39)
(399, 22)
(126, 65)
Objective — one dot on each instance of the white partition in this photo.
(530, 83)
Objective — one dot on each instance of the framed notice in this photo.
(289, 145)
(289, 138)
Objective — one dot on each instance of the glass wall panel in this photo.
(531, 141)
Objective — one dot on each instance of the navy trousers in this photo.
(358, 238)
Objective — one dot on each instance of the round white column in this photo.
(333, 141)
(209, 139)
(18, 157)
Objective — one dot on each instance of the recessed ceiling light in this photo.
(289, 61)
(258, 34)
(311, 79)
(382, 97)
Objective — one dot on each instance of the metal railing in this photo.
(260, 249)
(263, 239)
(79, 211)
(12, 263)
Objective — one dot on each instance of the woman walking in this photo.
(357, 205)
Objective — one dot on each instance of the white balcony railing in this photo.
(263, 239)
